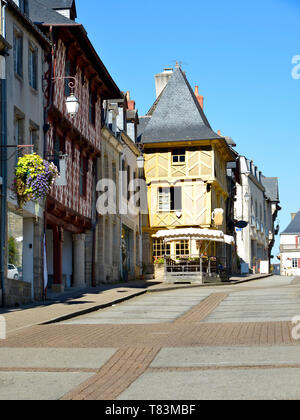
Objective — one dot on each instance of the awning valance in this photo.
(194, 233)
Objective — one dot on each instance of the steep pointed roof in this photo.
(294, 227)
(177, 115)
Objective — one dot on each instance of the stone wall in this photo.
(17, 293)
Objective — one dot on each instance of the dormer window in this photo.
(178, 156)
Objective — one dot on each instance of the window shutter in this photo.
(177, 198)
(298, 262)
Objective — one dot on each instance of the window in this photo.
(128, 182)
(70, 71)
(160, 249)
(19, 129)
(83, 176)
(32, 66)
(34, 137)
(178, 156)
(182, 248)
(295, 263)
(92, 108)
(170, 199)
(23, 5)
(18, 52)
(57, 152)
(114, 179)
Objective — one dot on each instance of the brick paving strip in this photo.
(201, 311)
(116, 375)
(130, 362)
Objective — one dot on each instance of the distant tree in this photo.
(13, 253)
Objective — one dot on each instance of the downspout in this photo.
(94, 223)
(120, 210)
(3, 168)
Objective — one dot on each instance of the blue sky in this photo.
(239, 53)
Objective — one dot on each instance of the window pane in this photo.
(32, 67)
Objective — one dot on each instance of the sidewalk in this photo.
(81, 301)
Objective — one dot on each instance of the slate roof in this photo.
(29, 23)
(271, 187)
(177, 115)
(41, 14)
(58, 4)
(143, 121)
(294, 227)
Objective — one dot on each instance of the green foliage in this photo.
(13, 253)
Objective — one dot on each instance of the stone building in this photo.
(25, 67)
(257, 204)
(119, 225)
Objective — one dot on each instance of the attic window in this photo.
(178, 156)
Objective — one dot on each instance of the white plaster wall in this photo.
(20, 94)
(286, 267)
(244, 210)
(288, 240)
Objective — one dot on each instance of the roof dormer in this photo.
(66, 8)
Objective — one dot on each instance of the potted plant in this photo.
(34, 178)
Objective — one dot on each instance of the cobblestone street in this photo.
(221, 342)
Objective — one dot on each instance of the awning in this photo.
(194, 233)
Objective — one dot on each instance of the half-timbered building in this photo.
(73, 142)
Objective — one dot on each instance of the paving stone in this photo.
(39, 385)
(235, 384)
(227, 356)
(54, 357)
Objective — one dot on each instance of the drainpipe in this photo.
(3, 106)
(120, 212)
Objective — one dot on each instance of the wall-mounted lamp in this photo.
(72, 103)
(247, 197)
(140, 162)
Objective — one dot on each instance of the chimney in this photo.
(199, 97)
(293, 215)
(219, 133)
(161, 80)
(130, 103)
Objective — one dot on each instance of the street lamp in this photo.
(140, 162)
(72, 102)
(247, 197)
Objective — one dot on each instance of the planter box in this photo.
(159, 271)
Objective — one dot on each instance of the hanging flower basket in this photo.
(34, 178)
